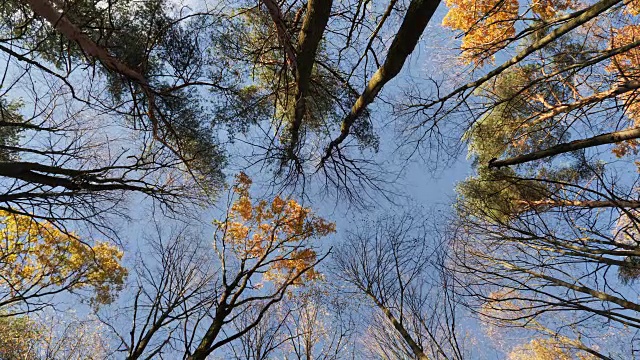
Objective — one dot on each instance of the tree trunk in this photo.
(405, 41)
(281, 30)
(313, 27)
(415, 348)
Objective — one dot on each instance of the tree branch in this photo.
(405, 41)
(608, 138)
(281, 30)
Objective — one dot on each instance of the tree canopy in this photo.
(227, 179)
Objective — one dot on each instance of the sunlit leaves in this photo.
(63, 336)
(275, 232)
(625, 66)
(547, 349)
(487, 24)
(18, 336)
(36, 257)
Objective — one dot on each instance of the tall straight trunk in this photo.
(313, 27)
(405, 41)
(417, 350)
(204, 348)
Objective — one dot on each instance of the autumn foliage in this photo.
(547, 349)
(275, 232)
(488, 26)
(37, 259)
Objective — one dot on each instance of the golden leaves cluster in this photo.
(490, 25)
(548, 349)
(626, 66)
(547, 9)
(633, 7)
(487, 25)
(276, 232)
(37, 255)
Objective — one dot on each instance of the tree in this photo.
(190, 303)
(551, 132)
(37, 261)
(78, 139)
(262, 341)
(542, 349)
(563, 269)
(393, 264)
(18, 336)
(268, 240)
(315, 324)
(319, 326)
(52, 337)
(100, 100)
(300, 91)
(573, 67)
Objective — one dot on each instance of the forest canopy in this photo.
(263, 179)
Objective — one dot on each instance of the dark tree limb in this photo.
(281, 30)
(405, 41)
(609, 138)
(313, 27)
(75, 180)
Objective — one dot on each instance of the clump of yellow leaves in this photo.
(490, 25)
(275, 233)
(36, 258)
(487, 25)
(625, 66)
(547, 9)
(548, 349)
(633, 7)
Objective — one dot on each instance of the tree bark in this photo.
(609, 138)
(415, 348)
(313, 27)
(60, 22)
(74, 180)
(281, 30)
(621, 89)
(593, 204)
(204, 348)
(405, 41)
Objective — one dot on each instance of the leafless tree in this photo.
(394, 263)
